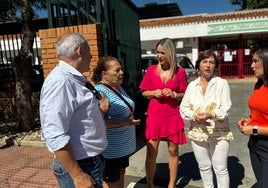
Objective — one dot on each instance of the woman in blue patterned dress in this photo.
(121, 134)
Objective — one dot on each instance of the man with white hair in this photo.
(72, 122)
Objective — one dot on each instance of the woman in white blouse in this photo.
(206, 104)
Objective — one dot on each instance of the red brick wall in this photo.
(49, 37)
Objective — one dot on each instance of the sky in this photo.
(189, 7)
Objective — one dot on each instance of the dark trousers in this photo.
(258, 147)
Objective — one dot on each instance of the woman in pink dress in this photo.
(164, 84)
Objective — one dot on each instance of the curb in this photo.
(17, 142)
(242, 80)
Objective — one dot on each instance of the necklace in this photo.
(164, 73)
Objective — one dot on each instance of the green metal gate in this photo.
(119, 22)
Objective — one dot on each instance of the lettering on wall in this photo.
(237, 27)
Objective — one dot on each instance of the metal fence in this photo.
(9, 48)
(235, 63)
(119, 20)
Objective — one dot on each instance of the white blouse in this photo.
(216, 100)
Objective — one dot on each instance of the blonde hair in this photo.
(170, 54)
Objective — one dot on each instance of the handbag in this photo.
(119, 95)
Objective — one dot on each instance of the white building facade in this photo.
(233, 36)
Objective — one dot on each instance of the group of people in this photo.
(91, 129)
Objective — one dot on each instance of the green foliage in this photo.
(23, 11)
(250, 4)
(9, 9)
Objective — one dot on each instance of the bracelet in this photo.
(213, 115)
(176, 95)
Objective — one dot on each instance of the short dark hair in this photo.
(204, 55)
(102, 65)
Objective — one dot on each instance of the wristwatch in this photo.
(255, 130)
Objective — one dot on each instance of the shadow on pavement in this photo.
(188, 171)
(236, 171)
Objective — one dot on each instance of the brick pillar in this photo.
(49, 37)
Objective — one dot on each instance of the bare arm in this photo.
(247, 129)
(122, 122)
(262, 131)
(158, 93)
(152, 93)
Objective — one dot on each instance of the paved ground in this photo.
(241, 174)
(28, 166)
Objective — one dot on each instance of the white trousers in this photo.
(212, 154)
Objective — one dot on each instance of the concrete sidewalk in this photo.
(26, 167)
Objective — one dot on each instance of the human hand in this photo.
(201, 117)
(158, 93)
(104, 103)
(167, 92)
(130, 121)
(136, 122)
(246, 129)
(243, 122)
(83, 180)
